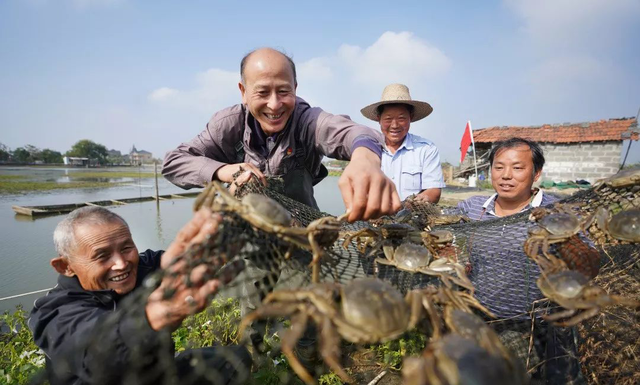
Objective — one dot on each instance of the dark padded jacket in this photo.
(97, 337)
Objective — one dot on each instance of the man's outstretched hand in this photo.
(366, 191)
(169, 313)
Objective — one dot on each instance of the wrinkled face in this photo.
(512, 173)
(105, 257)
(269, 90)
(394, 124)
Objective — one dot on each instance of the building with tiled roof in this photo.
(138, 157)
(573, 151)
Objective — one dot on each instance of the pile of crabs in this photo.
(564, 245)
(462, 348)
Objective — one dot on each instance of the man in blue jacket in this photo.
(98, 327)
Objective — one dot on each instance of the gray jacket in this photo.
(310, 134)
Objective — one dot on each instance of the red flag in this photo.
(465, 142)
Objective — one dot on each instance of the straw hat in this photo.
(397, 93)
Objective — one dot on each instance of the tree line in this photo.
(95, 152)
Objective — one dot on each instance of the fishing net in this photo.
(254, 261)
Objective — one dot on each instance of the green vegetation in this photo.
(5, 153)
(87, 149)
(217, 324)
(391, 353)
(20, 358)
(29, 154)
(10, 178)
(10, 186)
(112, 174)
(15, 184)
(335, 173)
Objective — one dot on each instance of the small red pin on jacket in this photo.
(289, 151)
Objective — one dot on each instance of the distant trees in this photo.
(29, 154)
(21, 155)
(88, 149)
(5, 153)
(50, 156)
(96, 153)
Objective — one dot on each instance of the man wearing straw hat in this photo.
(412, 162)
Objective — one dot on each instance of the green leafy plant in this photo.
(330, 379)
(20, 358)
(391, 353)
(218, 324)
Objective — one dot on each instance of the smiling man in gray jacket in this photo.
(275, 133)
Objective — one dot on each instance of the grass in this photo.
(112, 174)
(17, 184)
(20, 358)
(10, 178)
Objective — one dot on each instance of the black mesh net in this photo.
(254, 261)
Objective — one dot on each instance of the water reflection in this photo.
(159, 223)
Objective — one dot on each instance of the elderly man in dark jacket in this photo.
(98, 327)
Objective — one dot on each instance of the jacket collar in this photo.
(406, 143)
(72, 284)
(490, 204)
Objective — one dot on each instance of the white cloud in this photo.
(575, 24)
(394, 58)
(214, 90)
(569, 45)
(316, 68)
(162, 94)
(334, 81)
(557, 78)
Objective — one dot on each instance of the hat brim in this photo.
(420, 109)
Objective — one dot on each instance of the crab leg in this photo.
(330, 346)
(553, 318)
(289, 340)
(266, 311)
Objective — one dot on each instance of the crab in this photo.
(386, 237)
(416, 258)
(552, 228)
(579, 256)
(365, 310)
(430, 215)
(623, 226)
(436, 239)
(581, 299)
(268, 215)
(456, 360)
(625, 178)
(471, 353)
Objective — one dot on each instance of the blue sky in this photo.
(151, 73)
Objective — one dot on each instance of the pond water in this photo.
(26, 245)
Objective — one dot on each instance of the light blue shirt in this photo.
(414, 167)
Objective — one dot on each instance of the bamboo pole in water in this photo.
(155, 169)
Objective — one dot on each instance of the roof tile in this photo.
(600, 131)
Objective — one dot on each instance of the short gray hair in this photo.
(64, 236)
